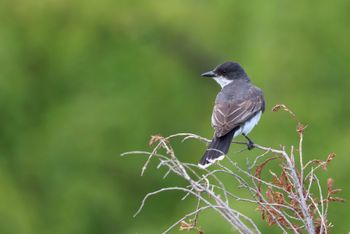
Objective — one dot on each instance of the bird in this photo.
(237, 110)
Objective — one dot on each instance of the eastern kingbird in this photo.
(238, 108)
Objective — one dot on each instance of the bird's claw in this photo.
(250, 145)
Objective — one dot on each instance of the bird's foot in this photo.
(250, 145)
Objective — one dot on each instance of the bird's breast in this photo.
(248, 125)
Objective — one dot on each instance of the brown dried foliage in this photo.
(190, 226)
(284, 192)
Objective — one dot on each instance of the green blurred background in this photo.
(83, 81)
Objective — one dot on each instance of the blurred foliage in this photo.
(83, 81)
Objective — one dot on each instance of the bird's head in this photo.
(226, 73)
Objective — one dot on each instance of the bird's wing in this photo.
(230, 114)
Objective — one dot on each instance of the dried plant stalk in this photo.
(284, 198)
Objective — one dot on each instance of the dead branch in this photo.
(284, 198)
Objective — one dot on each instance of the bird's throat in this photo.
(222, 81)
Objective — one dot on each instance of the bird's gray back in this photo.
(238, 90)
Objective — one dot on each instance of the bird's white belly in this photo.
(248, 125)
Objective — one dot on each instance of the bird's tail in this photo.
(218, 147)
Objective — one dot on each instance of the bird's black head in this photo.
(228, 70)
(226, 73)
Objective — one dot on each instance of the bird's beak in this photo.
(208, 74)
